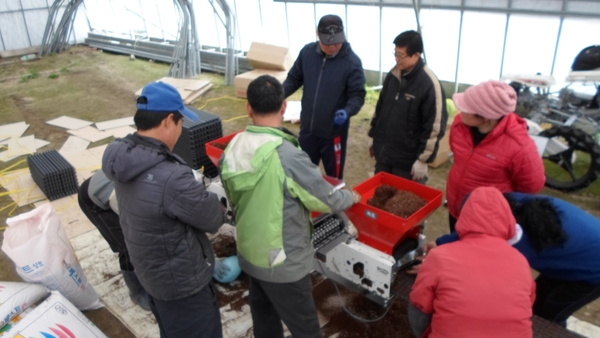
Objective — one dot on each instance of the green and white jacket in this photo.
(273, 187)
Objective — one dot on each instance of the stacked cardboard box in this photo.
(266, 59)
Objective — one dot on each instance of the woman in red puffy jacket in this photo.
(491, 146)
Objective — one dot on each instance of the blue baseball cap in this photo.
(162, 97)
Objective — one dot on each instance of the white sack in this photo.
(38, 245)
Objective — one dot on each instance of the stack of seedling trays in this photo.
(195, 134)
(53, 174)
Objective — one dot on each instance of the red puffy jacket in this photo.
(479, 286)
(507, 159)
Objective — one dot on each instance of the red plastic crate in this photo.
(214, 153)
(383, 230)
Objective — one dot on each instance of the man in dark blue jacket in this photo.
(334, 90)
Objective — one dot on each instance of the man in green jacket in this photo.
(273, 186)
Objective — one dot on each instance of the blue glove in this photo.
(227, 270)
(340, 117)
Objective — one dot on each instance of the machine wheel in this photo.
(571, 158)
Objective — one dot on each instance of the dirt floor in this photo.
(96, 86)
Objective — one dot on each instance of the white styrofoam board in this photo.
(18, 147)
(121, 132)
(90, 133)
(12, 130)
(69, 123)
(74, 144)
(21, 187)
(110, 124)
(98, 151)
(583, 328)
(292, 111)
(84, 160)
(40, 143)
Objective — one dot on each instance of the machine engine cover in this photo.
(360, 267)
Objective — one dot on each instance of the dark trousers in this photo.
(195, 316)
(107, 222)
(452, 222)
(292, 303)
(557, 299)
(396, 171)
(324, 149)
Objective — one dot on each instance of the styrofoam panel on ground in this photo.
(90, 133)
(110, 124)
(85, 160)
(18, 147)
(69, 123)
(21, 187)
(121, 132)
(74, 144)
(98, 151)
(12, 130)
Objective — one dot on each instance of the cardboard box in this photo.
(242, 81)
(264, 56)
(443, 154)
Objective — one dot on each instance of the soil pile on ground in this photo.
(367, 318)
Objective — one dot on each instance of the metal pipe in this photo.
(504, 42)
(462, 13)
(558, 35)
(463, 7)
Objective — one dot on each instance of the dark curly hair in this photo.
(540, 221)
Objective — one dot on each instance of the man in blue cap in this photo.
(165, 214)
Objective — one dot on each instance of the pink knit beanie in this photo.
(492, 100)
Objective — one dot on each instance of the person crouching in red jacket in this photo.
(479, 286)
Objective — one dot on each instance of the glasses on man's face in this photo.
(400, 55)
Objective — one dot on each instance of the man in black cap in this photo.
(334, 90)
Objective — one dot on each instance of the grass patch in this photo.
(32, 75)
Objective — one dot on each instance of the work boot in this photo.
(137, 293)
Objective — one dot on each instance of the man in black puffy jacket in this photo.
(334, 90)
(165, 214)
(410, 117)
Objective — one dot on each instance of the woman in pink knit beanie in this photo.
(491, 146)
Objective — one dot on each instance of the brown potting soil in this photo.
(399, 202)
(219, 145)
(368, 318)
